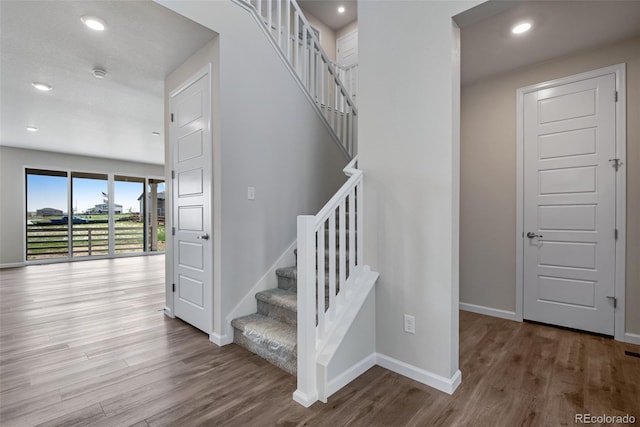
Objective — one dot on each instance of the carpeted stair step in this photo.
(269, 338)
(279, 304)
(287, 278)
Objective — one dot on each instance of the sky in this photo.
(51, 192)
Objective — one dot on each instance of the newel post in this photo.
(307, 392)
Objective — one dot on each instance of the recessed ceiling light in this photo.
(155, 133)
(341, 9)
(99, 73)
(94, 23)
(41, 86)
(520, 28)
(32, 129)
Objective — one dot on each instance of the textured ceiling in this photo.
(112, 117)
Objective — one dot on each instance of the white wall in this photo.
(271, 138)
(488, 193)
(12, 188)
(408, 148)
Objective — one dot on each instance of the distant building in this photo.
(48, 212)
(160, 203)
(103, 208)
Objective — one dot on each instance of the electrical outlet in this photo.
(409, 324)
(251, 193)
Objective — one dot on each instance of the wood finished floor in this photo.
(87, 344)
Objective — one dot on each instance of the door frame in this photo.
(620, 217)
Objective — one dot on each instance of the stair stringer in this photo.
(350, 347)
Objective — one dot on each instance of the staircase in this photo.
(322, 304)
(271, 332)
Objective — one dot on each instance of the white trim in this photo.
(350, 374)
(168, 312)
(621, 143)
(269, 280)
(12, 265)
(488, 311)
(621, 201)
(220, 340)
(447, 385)
(304, 399)
(632, 338)
(519, 302)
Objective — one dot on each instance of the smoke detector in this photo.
(99, 73)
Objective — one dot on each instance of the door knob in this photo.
(204, 237)
(531, 235)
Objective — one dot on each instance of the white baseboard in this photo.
(12, 265)
(269, 280)
(169, 313)
(447, 385)
(488, 311)
(351, 374)
(632, 338)
(220, 340)
(304, 399)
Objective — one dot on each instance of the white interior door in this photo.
(347, 49)
(569, 205)
(190, 136)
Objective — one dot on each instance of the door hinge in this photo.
(173, 174)
(616, 163)
(173, 287)
(614, 300)
(173, 231)
(615, 234)
(615, 96)
(171, 117)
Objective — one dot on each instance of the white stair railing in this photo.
(290, 31)
(349, 77)
(329, 254)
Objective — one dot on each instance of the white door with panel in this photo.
(347, 49)
(190, 136)
(569, 204)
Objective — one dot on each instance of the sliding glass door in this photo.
(81, 215)
(47, 229)
(90, 221)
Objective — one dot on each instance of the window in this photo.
(78, 215)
